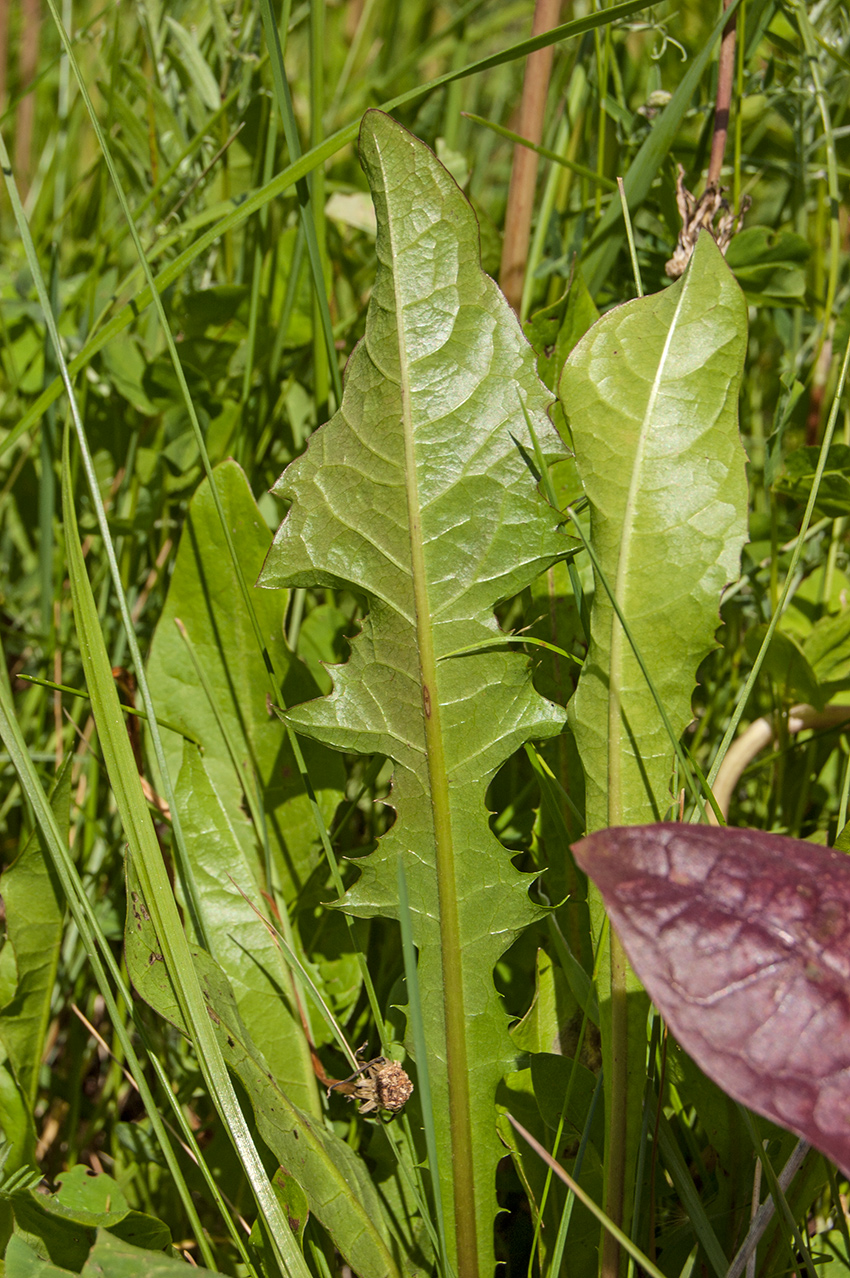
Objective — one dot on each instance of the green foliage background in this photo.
(208, 138)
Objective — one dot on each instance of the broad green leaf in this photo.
(833, 497)
(336, 1182)
(23, 1262)
(63, 1224)
(551, 1023)
(203, 595)
(16, 1121)
(787, 665)
(420, 495)
(224, 850)
(35, 908)
(86, 1199)
(239, 941)
(64, 1242)
(651, 394)
(769, 265)
(195, 65)
(112, 1257)
(827, 648)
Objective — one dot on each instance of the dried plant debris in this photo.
(711, 212)
(379, 1084)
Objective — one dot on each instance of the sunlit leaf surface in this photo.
(420, 494)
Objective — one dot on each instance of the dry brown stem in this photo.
(700, 214)
(25, 119)
(725, 75)
(524, 173)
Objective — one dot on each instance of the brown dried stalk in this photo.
(524, 173)
(700, 214)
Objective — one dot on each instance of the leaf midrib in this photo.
(618, 637)
(463, 1180)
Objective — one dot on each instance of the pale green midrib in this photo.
(618, 637)
(461, 1171)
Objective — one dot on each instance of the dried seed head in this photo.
(392, 1086)
(380, 1084)
(710, 212)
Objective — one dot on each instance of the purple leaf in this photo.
(742, 940)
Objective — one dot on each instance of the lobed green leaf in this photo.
(420, 494)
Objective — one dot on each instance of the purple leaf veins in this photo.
(742, 940)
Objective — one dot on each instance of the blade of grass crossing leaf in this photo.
(230, 744)
(131, 710)
(147, 859)
(580, 169)
(566, 1215)
(800, 1247)
(339, 1034)
(507, 639)
(129, 628)
(309, 214)
(289, 177)
(549, 781)
(665, 718)
(191, 1142)
(630, 237)
(790, 575)
(556, 1143)
(184, 868)
(625, 1242)
(687, 1192)
(813, 67)
(551, 497)
(94, 943)
(417, 1027)
(706, 788)
(251, 793)
(414, 1181)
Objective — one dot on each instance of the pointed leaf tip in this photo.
(742, 940)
